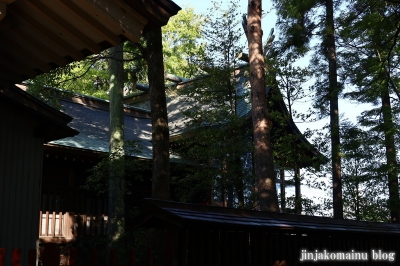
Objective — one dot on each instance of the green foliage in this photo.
(180, 43)
(370, 41)
(129, 241)
(98, 180)
(369, 35)
(220, 144)
(364, 174)
(37, 87)
(89, 77)
(364, 182)
(296, 20)
(286, 81)
(309, 207)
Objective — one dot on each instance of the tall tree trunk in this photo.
(263, 156)
(238, 181)
(224, 182)
(283, 193)
(391, 160)
(334, 113)
(297, 186)
(159, 116)
(393, 181)
(160, 133)
(116, 205)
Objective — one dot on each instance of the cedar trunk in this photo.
(159, 118)
(116, 205)
(160, 134)
(393, 181)
(263, 156)
(334, 113)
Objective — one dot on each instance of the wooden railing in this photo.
(69, 225)
(68, 215)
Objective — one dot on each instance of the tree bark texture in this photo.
(297, 190)
(263, 156)
(116, 205)
(283, 186)
(393, 180)
(159, 117)
(334, 113)
(160, 134)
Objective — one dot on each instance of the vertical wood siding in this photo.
(21, 156)
(86, 216)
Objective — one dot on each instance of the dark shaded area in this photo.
(208, 235)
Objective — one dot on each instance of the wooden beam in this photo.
(3, 7)
(130, 22)
(66, 28)
(5, 23)
(12, 46)
(86, 19)
(13, 64)
(45, 35)
(126, 8)
(7, 75)
(37, 48)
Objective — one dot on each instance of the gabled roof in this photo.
(177, 104)
(40, 35)
(91, 118)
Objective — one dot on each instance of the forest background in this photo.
(367, 72)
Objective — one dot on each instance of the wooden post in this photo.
(16, 257)
(84, 227)
(93, 257)
(2, 255)
(182, 247)
(46, 233)
(132, 258)
(60, 224)
(51, 255)
(150, 258)
(31, 257)
(169, 247)
(73, 255)
(53, 224)
(113, 257)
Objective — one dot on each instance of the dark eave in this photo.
(158, 11)
(157, 213)
(37, 36)
(51, 123)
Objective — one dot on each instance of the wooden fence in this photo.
(68, 215)
(51, 257)
(69, 225)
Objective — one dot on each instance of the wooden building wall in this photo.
(20, 182)
(68, 211)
